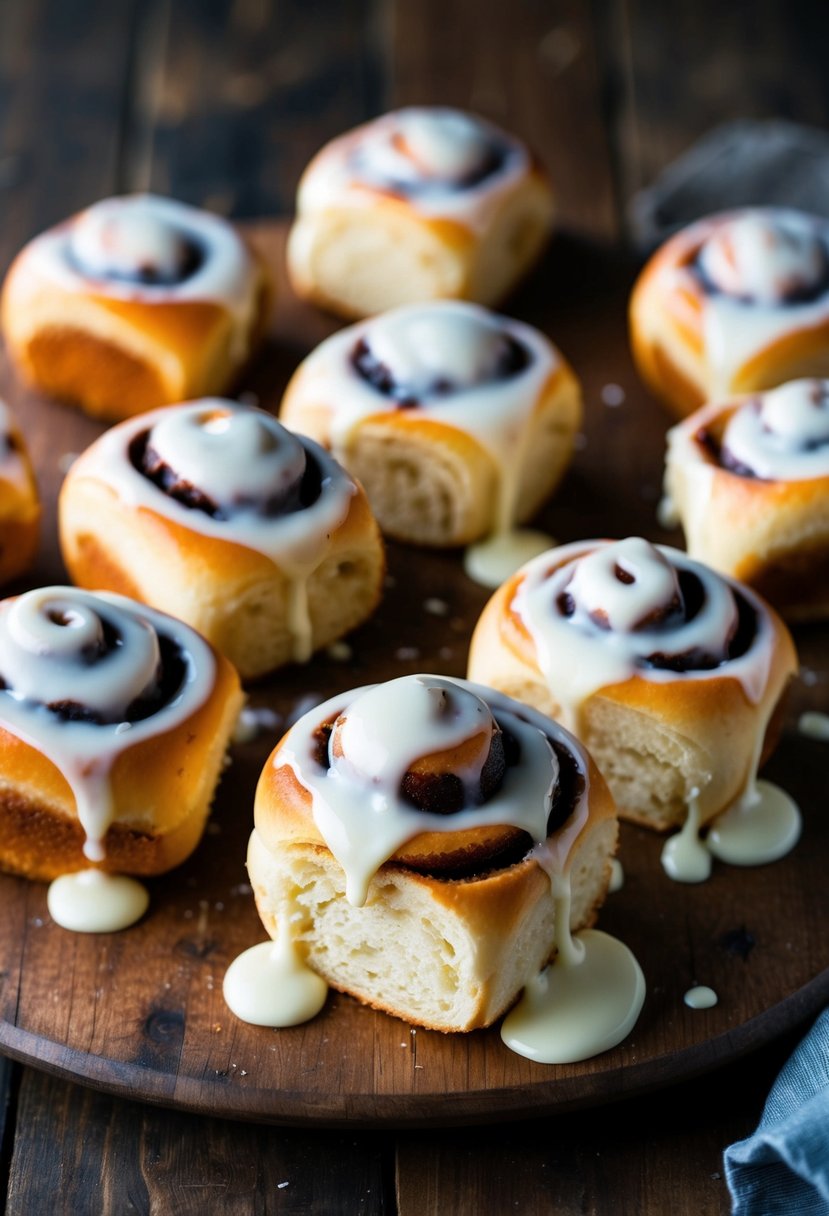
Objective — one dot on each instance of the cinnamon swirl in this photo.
(749, 481)
(114, 721)
(669, 673)
(423, 203)
(735, 303)
(136, 302)
(216, 513)
(406, 836)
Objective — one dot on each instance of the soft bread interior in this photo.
(449, 954)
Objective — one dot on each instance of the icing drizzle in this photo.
(780, 435)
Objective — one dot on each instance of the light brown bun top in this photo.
(19, 501)
(112, 717)
(439, 775)
(735, 302)
(749, 481)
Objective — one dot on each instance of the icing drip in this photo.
(584, 1003)
(270, 985)
(781, 435)
(142, 247)
(569, 611)
(233, 473)
(442, 161)
(700, 997)
(91, 901)
(459, 365)
(85, 677)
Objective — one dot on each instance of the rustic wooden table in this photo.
(221, 104)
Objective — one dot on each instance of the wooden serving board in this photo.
(140, 1013)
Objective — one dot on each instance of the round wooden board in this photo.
(141, 1013)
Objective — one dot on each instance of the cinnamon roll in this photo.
(19, 501)
(423, 203)
(214, 512)
(669, 673)
(749, 481)
(136, 302)
(406, 836)
(459, 422)
(114, 721)
(735, 303)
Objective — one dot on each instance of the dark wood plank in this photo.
(247, 93)
(655, 1155)
(142, 1012)
(673, 71)
(80, 1152)
(530, 67)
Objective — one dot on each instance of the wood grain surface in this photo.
(141, 1012)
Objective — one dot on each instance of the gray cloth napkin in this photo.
(783, 1168)
(739, 164)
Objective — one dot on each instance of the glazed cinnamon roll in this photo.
(136, 302)
(214, 512)
(459, 422)
(19, 501)
(407, 835)
(736, 303)
(114, 721)
(669, 673)
(423, 203)
(749, 481)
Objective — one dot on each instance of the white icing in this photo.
(390, 726)
(239, 457)
(118, 235)
(760, 827)
(814, 725)
(270, 985)
(584, 1003)
(685, 858)
(491, 561)
(33, 641)
(578, 656)
(91, 901)
(780, 252)
(422, 154)
(783, 434)
(617, 876)
(458, 344)
(700, 997)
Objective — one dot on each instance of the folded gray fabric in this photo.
(784, 1167)
(739, 164)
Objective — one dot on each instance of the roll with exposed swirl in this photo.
(736, 303)
(136, 302)
(749, 481)
(19, 501)
(423, 203)
(458, 422)
(216, 513)
(408, 834)
(114, 720)
(668, 672)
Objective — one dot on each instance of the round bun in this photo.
(670, 674)
(423, 203)
(458, 422)
(735, 303)
(134, 303)
(749, 482)
(214, 512)
(413, 882)
(114, 722)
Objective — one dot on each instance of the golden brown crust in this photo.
(162, 790)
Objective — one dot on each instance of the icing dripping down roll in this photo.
(215, 512)
(408, 831)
